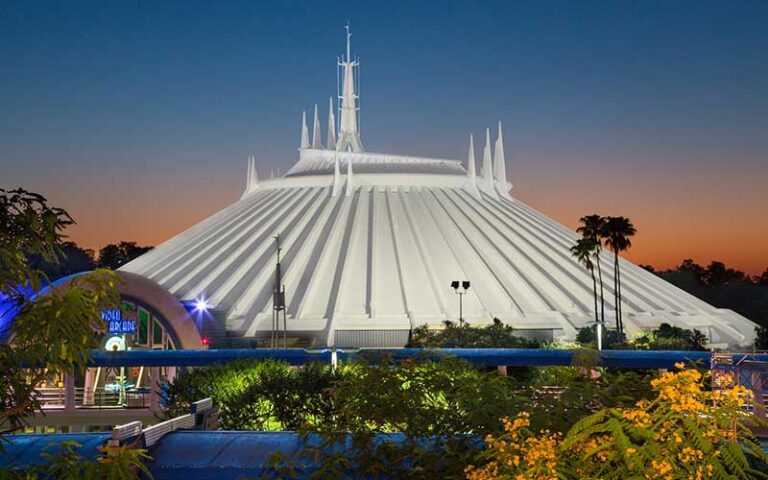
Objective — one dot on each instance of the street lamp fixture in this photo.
(460, 287)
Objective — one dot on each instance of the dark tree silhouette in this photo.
(718, 274)
(590, 227)
(583, 251)
(723, 287)
(70, 258)
(115, 255)
(616, 234)
(762, 279)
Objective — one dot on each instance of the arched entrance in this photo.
(150, 318)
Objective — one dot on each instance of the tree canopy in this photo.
(52, 333)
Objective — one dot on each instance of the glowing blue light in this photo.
(201, 305)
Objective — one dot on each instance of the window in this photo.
(157, 334)
(143, 327)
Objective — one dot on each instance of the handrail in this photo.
(632, 359)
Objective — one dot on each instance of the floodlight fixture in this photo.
(465, 286)
(201, 305)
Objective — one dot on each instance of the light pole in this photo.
(464, 287)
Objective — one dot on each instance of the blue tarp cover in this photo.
(26, 449)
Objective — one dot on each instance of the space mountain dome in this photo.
(370, 243)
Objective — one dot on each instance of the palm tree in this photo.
(616, 232)
(583, 251)
(591, 226)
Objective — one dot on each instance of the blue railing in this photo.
(486, 356)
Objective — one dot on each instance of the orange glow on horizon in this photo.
(703, 221)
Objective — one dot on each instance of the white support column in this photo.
(69, 393)
(154, 389)
(350, 182)
(336, 176)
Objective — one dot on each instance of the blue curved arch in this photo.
(10, 306)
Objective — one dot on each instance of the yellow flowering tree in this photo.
(520, 453)
(686, 432)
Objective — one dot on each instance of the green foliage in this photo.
(587, 336)
(115, 463)
(434, 404)
(558, 397)
(257, 395)
(685, 431)
(668, 337)
(496, 335)
(761, 338)
(53, 332)
(419, 399)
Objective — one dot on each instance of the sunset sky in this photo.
(138, 117)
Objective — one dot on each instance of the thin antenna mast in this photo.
(278, 302)
(349, 43)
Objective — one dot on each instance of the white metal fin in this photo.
(254, 177)
(304, 132)
(331, 141)
(500, 165)
(316, 134)
(471, 184)
(248, 177)
(486, 183)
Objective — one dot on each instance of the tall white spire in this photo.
(304, 131)
(349, 136)
(471, 184)
(316, 134)
(331, 141)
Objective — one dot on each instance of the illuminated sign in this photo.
(114, 344)
(116, 324)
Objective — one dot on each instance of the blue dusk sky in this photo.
(138, 116)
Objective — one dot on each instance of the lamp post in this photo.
(464, 287)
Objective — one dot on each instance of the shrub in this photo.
(687, 431)
(422, 398)
(761, 338)
(496, 335)
(256, 395)
(588, 336)
(669, 337)
(666, 337)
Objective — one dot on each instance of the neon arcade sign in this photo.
(116, 324)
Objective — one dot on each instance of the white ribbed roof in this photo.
(371, 243)
(381, 255)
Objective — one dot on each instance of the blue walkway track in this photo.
(635, 359)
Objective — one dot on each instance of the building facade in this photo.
(370, 243)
